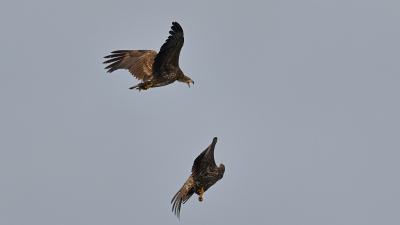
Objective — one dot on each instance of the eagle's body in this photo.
(205, 174)
(154, 70)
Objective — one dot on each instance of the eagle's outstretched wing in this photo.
(206, 158)
(170, 50)
(182, 196)
(138, 62)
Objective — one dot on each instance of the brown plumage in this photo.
(154, 70)
(205, 174)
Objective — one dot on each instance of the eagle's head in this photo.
(221, 170)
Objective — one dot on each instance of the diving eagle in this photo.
(154, 70)
(205, 174)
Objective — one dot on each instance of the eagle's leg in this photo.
(201, 192)
(142, 86)
(147, 86)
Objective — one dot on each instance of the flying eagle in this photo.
(205, 174)
(154, 70)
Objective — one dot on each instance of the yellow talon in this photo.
(201, 192)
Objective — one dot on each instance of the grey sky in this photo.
(303, 96)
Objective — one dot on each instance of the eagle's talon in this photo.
(201, 192)
(148, 86)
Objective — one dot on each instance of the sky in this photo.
(303, 96)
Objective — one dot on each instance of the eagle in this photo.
(205, 173)
(154, 70)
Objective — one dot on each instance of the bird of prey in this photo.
(205, 174)
(154, 70)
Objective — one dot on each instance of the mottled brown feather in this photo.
(182, 196)
(138, 62)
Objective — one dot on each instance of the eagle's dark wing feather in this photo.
(138, 62)
(209, 156)
(170, 50)
(209, 179)
(206, 158)
(182, 195)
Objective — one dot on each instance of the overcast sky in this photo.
(304, 98)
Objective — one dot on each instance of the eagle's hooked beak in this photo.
(190, 81)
